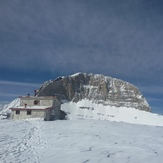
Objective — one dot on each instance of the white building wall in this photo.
(23, 114)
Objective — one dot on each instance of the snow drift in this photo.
(86, 109)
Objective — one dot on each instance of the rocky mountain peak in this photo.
(95, 87)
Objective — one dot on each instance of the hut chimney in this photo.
(35, 92)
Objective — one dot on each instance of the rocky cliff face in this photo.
(97, 88)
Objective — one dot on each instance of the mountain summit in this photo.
(97, 88)
(99, 97)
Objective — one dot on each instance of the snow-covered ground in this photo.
(94, 134)
(79, 141)
(86, 109)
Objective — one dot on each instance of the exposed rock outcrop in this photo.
(98, 88)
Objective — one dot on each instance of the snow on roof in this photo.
(31, 107)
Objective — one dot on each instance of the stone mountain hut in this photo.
(47, 107)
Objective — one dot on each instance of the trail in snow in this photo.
(19, 141)
(82, 141)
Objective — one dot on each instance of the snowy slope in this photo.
(79, 141)
(6, 110)
(86, 109)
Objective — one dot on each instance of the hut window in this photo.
(17, 111)
(35, 102)
(29, 112)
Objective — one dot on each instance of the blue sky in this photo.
(43, 39)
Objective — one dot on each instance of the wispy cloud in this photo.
(117, 38)
(10, 90)
(154, 99)
(12, 83)
(9, 95)
(152, 89)
(120, 38)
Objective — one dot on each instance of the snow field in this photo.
(79, 141)
(87, 109)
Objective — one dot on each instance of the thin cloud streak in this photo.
(11, 83)
(152, 99)
(152, 89)
(9, 95)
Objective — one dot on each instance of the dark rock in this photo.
(98, 88)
